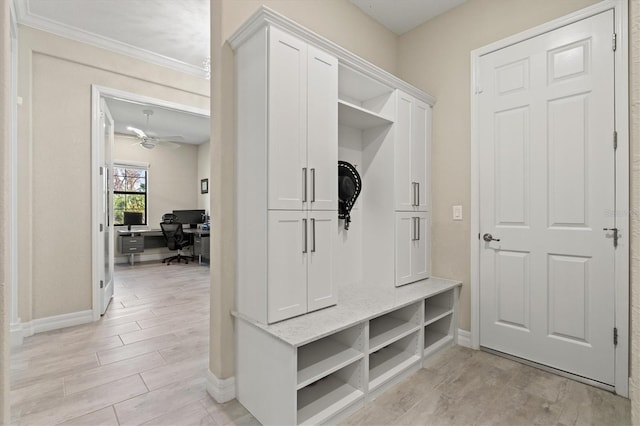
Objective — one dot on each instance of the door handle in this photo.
(488, 238)
(304, 185)
(615, 235)
(313, 235)
(304, 230)
(313, 186)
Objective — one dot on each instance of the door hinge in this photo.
(478, 235)
(101, 284)
(614, 42)
(615, 140)
(615, 336)
(101, 227)
(101, 170)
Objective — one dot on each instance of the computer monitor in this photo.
(191, 217)
(133, 218)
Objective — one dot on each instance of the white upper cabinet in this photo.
(322, 130)
(412, 154)
(302, 123)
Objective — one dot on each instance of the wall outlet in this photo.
(457, 212)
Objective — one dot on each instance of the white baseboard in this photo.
(25, 329)
(464, 338)
(222, 390)
(16, 334)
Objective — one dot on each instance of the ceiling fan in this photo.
(146, 140)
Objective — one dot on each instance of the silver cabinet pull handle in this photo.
(418, 221)
(418, 202)
(304, 184)
(313, 235)
(304, 230)
(313, 185)
(413, 226)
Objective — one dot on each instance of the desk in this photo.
(135, 241)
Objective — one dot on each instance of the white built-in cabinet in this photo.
(412, 171)
(287, 176)
(303, 104)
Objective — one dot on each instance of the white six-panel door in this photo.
(547, 170)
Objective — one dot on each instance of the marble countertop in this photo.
(355, 304)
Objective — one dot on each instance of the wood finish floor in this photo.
(145, 362)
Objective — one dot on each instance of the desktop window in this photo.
(129, 192)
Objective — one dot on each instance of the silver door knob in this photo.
(489, 238)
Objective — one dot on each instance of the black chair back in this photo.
(173, 234)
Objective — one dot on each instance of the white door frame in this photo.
(97, 147)
(620, 8)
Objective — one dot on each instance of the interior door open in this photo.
(547, 199)
(106, 207)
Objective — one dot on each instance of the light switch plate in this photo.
(457, 212)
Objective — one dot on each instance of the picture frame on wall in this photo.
(204, 186)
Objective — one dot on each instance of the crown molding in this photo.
(265, 16)
(25, 17)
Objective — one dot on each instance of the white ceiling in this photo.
(163, 123)
(172, 33)
(401, 16)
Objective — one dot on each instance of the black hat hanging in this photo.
(349, 187)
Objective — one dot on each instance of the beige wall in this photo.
(337, 20)
(173, 182)
(4, 212)
(435, 57)
(55, 78)
(634, 113)
(204, 172)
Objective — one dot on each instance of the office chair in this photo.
(175, 238)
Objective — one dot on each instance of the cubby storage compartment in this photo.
(392, 360)
(329, 354)
(363, 96)
(437, 334)
(438, 306)
(393, 326)
(328, 396)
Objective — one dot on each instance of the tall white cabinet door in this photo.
(412, 247)
(404, 185)
(287, 122)
(412, 154)
(421, 153)
(322, 130)
(405, 234)
(420, 268)
(321, 288)
(288, 245)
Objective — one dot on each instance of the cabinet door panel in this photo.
(420, 153)
(420, 248)
(322, 290)
(322, 130)
(404, 234)
(404, 187)
(287, 265)
(287, 121)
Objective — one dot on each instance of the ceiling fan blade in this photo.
(171, 138)
(137, 131)
(168, 144)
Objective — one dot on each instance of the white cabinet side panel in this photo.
(251, 172)
(265, 375)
